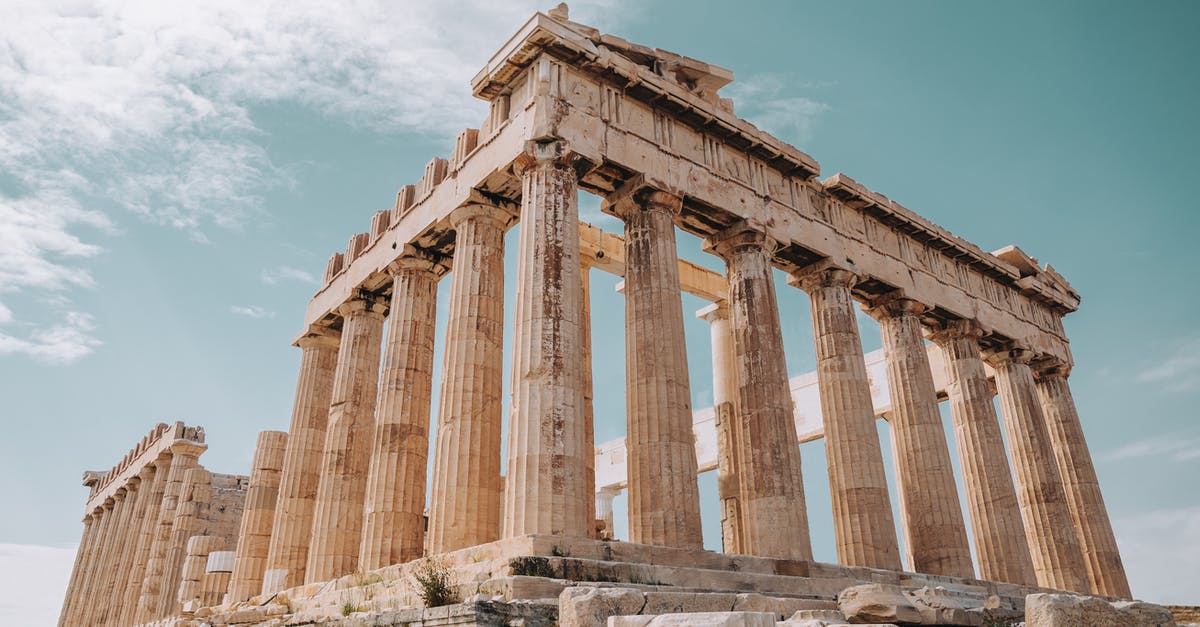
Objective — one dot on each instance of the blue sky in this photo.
(172, 181)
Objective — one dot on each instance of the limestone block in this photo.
(877, 603)
(1068, 610)
(702, 619)
(782, 607)
(591, 607)
(940, 607)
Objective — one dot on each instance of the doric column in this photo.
(664, 500)
(1053, 545)
(862, 512)
(604, 511)
(775, 521)
(292, 527)
(338, 513)
(194, 566)
(109, 603)
(546, 490)
(1106, 573)
(935, 536)
(147, 507)
(727, 423)
(191, 517)
(153, 486)
(70, 600)
(1000, 543)
(394, 518)
(84, 605)
(185, 456)
(589, 412)
(257, 516)
(464, 507)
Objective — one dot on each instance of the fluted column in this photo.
(862, 512)
(728, 435)
(291, 530)
(589, 413)
(154, 486)
(194, 567)
(664, 500)
(191, 518)
(1000, 544)
(1101, 558)
(70, 599)
(394, 518)
(107, 591)
(90, 599)
(464, 508)
(257, 516)
(1053, 545)
(604, 512)
(217, 574)
(338, 513)
(546, 490)
(935, 535)
(185, 456)
(775, 521)
(146, 507)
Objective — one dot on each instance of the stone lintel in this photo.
(164, 440)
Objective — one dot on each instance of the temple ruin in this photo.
(338, 514)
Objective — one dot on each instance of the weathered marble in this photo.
(254, 535)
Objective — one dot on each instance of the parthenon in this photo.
(339, 515)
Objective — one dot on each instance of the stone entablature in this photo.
(148, 449)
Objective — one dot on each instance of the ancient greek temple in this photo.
(339, 511)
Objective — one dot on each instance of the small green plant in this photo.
(348, 608)
(435, 583)
(531, 567)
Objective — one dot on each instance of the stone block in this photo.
(781, 607)
(591, 607)
(939, 606)
(697, 619)
(877, 603)
(1068, 610)
(687, 602)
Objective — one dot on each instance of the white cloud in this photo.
(1161, 552)
(33, 581)
(148, 108)
(1179, 371)
(274, 276)
(1179, 447)
(774, 103)
(63, 343)
(251, 311)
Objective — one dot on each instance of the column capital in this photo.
(146, 472)
(715, 312)
(480, 209)
(824, 273)
(950, 330)
(638, 195)
(893, 305)
(369, 304)
(416, 259)
(187, 448)
(1050, 368)
(120, 493)
(1008, 353)
(555, 153)
(741, 235)
(134, 482)
(318, 335)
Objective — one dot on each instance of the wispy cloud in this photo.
(251, 311)
(1179, 447)
(1178, 371)
(777, 104)
(1161, 552)
(274, 276)
(61, 343)
(112, 108)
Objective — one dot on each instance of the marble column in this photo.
(1057, 561)
(464, 508)
(191, 517)
(71, 598)
(728, 435)
(107, 588)
(862, 511)
(185, 455)
(216, 577)
(147, 507)
(604, 512)
(255, 530)
(1105, 571)
(775, 520)
(394, 516)
(338, 512)
(137, 570)
(589, 413)
(90, 598)
(546, 490)
(1000, 544)
(291, 530)
(664, 500)
(194, 566)
(935, 535)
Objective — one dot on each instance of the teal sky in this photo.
(170, 185)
